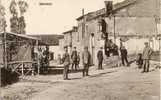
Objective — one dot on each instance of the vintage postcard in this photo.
(80, 49)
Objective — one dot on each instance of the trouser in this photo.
(85, 69)
(74, 64)
(100, 64)
(146, 65)
(65, 72)
(78, 64)
(124, 58)
(108, 53)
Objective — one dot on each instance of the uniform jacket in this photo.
(115, 50)
(74, 56)
(66, 59)
(147, 52)
(86, 57)
(100, 55)
(123, 52)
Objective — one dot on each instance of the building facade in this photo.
(70, 39)
(136, 21)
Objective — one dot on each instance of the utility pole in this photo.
(83, 24)
(5, 46)
(114, 31)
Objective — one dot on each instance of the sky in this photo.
(56, 18)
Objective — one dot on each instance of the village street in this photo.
(115, 84)
(123, 83)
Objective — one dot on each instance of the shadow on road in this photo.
(60, 71)
(100, 74)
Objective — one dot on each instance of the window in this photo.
(99, 27)
(78, 32)
(86, 29)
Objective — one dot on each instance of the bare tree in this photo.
(22, 7)
(14, 18)
(18, 23)
(2, 19)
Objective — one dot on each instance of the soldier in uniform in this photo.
(114, 51)
(124, 56)
(74, 58)
(78, 59)
(86, 61)
(100, 58)
(66, 63)
(147, 52)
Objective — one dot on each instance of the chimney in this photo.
(109, 7)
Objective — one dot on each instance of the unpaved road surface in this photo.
(123, 83)
(117, 84)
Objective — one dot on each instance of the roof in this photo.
(84, 15)
(123, 4)
(69, 31)
(49, 39)
(21, 35)
(75, 28)
(102, 11)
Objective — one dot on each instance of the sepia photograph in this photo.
(80, 49)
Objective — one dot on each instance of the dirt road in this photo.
(123, 83)
(116, 84)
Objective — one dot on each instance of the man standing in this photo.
(78, 59)
(100, 58)
(74, 58)
(114, 50)
(124, 56)
(86, 61)
(147, 52)
(66, 63)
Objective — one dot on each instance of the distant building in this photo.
(52, 40)
(70, 39)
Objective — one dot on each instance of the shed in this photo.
(17, 52)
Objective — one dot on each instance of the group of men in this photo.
(112, 50)
(86, 57)
(143, 60)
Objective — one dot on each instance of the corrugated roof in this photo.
(21, 35)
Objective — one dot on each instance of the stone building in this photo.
(134, 21)
(70, 39)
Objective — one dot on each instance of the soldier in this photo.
(86, 61)
(147, 52)
(100, 58)
(74, 58)
(115, 53)
(78, 59)
(124, 56)
(66, 63)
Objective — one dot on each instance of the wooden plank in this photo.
(16, 62)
